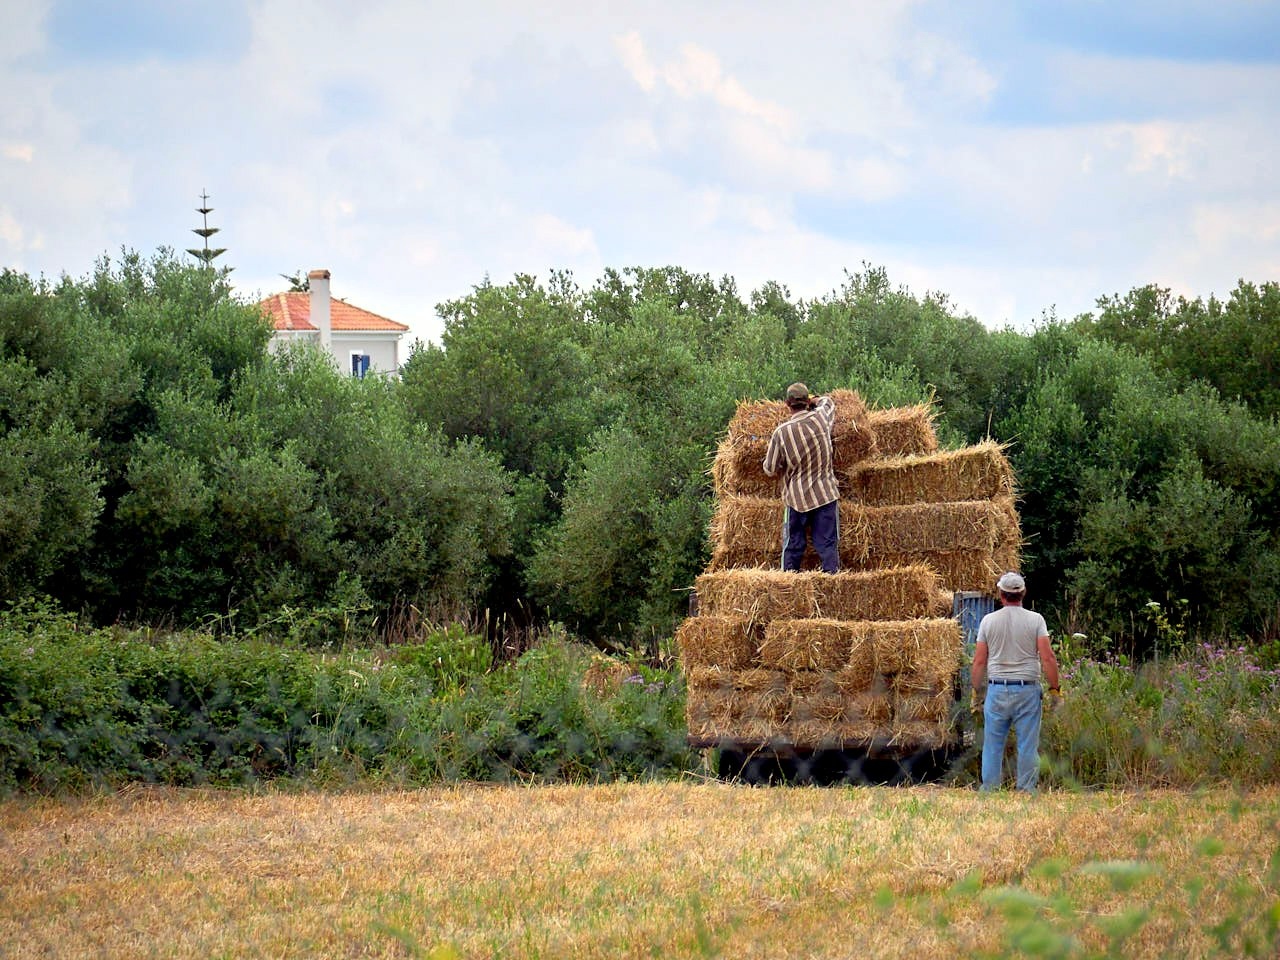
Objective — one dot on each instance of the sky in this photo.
(1025, 158)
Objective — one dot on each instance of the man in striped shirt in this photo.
(801, 450)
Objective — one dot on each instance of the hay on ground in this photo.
(731, 642)
(979, 472)
(605, 675)
(903, 431)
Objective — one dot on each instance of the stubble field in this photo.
(672, 870)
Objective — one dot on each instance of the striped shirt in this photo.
(802, 447)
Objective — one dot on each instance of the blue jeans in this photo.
(1018, 707)
(823, 525)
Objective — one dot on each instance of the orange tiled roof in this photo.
(292, 311)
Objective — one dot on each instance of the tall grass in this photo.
(1212, 714)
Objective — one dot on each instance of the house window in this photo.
(359, 364)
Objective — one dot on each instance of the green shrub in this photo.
(101, 707)
(1210, 715)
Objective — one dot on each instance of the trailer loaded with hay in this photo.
(854, 674)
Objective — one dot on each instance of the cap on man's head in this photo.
(1011, 583)
(797, 391)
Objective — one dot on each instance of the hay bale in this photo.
(930, 646)
(909, 736)
(760, 694)
(852, 439)
(728, 480)
(747, 532)
(833, 735)
(739, 466)
(759, 595)
(731, 642)
(903, 431)
(921, 527)
(933, 702)
(903, 592)
(958, 569)
(810, 644)
(814, 695)
(979, 472)
(747, 704)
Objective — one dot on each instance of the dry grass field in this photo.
(668, 870)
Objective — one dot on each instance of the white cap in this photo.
(1011, 583)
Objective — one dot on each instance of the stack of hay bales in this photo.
(868, 656)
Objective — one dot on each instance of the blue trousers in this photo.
(1019, 708)
(823, 525)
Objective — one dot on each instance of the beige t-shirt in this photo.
(1011, 635)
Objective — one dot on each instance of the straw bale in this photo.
(933, 703)
(920, 735)
(810, 644)
(852, 439)
(760, 695)
(604, 675)
(747, 532)
(815, 696)
(707, 709)
(709, 678)
(912, 591)
(918, 644)
(979, 472)
(958, 569)
(759, 595)
(739, 466)
(755, 420)
(728, 479)
(726, 641)
(833, 735)
(903, 431)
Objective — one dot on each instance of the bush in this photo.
(82, 707)
(1210, 715)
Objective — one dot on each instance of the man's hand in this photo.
(975, 703)
(1055, 698)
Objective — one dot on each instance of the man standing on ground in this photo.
(1013, 643)
(801, 449)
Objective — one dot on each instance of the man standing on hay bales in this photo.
(801, 446)
(1014, 643)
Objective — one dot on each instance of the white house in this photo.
(360, 341)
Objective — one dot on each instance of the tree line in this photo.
(551, 453)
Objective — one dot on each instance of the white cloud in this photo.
(635, 58)
(413, 151)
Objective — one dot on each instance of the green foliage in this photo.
(1135, 490)
(1207, 714)
(550, 455)
(161, 466)
(83, 707)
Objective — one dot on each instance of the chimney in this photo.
(318, 284)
